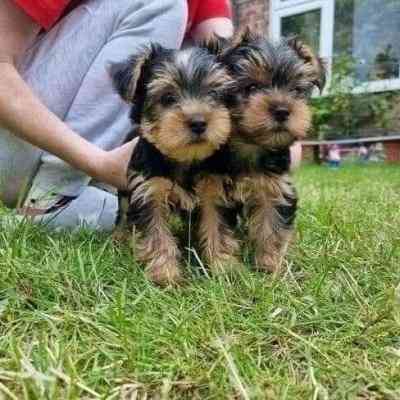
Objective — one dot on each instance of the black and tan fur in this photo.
(181, 117)
(274, 83)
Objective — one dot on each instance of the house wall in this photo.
(253, 13)
(392, 151)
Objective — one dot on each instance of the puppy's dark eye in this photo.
(300, 91)
(231, 99)
(252, 88)
(214, 94)
(168, 99)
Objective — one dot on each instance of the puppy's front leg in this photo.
(272, 212)
(121, 230)
(216, 238)
(148, 216)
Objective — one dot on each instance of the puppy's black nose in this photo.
(280, 113)
(198, 125)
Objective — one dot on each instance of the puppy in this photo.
(274, 83)
(181, 118)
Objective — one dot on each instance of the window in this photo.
(368, 31)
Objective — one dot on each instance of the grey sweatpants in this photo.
(67, 69)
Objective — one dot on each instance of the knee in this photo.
(177, 8)
(172, 20)
(164, 19)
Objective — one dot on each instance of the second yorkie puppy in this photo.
(178, 100)
(274, 83)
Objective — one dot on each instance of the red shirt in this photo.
(47, 12)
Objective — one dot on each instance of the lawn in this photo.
(79, 321)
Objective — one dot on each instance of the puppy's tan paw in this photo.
(121, 236)
(164, 272)
(269, 264)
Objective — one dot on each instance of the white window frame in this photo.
(285, 8)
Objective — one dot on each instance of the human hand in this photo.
(111, 166)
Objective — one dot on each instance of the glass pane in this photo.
(307, 26)
(369, 32)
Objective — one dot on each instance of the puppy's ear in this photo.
(317, 63)
(215, 45)
(245, 37)
(126, 76)
(130, 77)
(223, 48)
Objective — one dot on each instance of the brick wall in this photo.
(392, 151)
(253, 13)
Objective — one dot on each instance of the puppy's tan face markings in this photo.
(271, 116)
(260, 125)
(275, 83)
(172, 136)
(185, 115)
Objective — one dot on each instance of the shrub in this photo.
(342, 112)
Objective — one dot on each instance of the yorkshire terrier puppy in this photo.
(181, 117)
(274, 83)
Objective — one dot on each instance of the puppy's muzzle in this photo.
(280, 113)
(197, 125)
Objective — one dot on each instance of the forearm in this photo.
(25, 116)
(22, 112)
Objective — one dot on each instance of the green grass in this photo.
(79, 321)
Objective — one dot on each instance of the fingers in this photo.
(115, 166)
